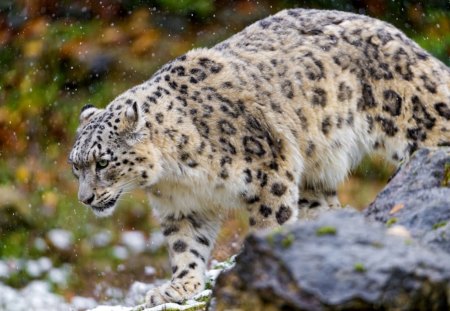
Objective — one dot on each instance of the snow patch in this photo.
(120, 252)
(40, 244)
(36, 296)
(4, 270)
(149, 270)
(102, 239)
(36, 268)
(60, 275)
(134, 240)
(137, 291)
(83, 303)
(61, 239)
(157, 241)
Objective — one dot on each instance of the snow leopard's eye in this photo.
(75, 170)
(101, 164)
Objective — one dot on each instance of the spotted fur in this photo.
(270, 120)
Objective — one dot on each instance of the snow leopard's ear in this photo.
(86, 114)
(132, 113)
(133, 117)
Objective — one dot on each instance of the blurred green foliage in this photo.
(200, 7)
(56, 56)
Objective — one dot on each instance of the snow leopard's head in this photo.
(112, 154)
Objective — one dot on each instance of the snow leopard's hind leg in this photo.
(312, 202)
(270, 197)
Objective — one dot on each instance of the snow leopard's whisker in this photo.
(128, 184)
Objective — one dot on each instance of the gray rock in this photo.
(340, 261)
(418, 198)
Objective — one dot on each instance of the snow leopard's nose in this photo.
(86, 199)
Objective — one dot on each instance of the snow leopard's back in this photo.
(354, 84)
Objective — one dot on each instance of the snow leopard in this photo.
(269, 121)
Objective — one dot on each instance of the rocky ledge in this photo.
(418, 198)
(395, 256)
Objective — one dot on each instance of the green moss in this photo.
(359, 267)
(200, 7)
(270, 239)
(139, 308)
(12, 244)
(193, 308)
(208, 285)
(287, 240)
(203, 299)
(230, 261)
(446, 180)
(439, 225)
(225, 264)
(18, 279)
(391, 221)
(326, 230)
(271, 236)
(377, 245)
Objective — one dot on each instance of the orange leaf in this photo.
(396, 208)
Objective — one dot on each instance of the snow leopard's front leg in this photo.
(190, 239)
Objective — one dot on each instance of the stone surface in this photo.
(418, 198)
(340, 261)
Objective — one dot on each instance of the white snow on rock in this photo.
(45, 263)
(61, 239)
(120, 252)
(4, 270)
(36, 268)
(134, 241)
(149, 270)
(156, 241)
(40, 244)
(188, 306)
(137, 291)
(101, 239)
(60, 275)
(114, 293)
(33, 269)
(83, 303)
(35, 296)
(112, 308)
